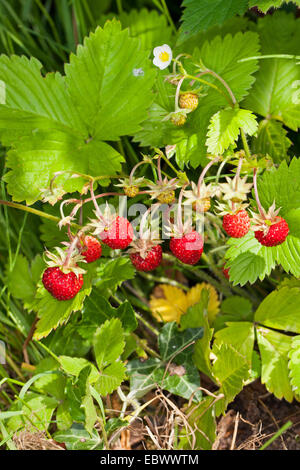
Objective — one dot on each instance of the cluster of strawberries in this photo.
(64, 278)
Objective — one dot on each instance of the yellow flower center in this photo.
(164, 56)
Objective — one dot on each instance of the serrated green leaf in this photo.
(220, 55)
(74, 365)
(110, 378)
(225, 126)
(149, 26)
(281, 310)
(249, 260)
(202, 15)
(112, 273)
(108, 342)
(239, 335)
(273, 93)
(294, 365)
(97, 310)
(274, 348)
(19, 280)
(34, 160)
(110, 96)
(231, 370)
(233, 309)
(265, 5)
(271, 140)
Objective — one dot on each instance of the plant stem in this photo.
(33, 211)
(259, 206)
(204, 171)
(245, 144)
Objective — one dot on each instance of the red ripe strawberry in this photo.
(236, 225)
(188, 248)
(150, 262)
(226, 272)
(118, 234)
(91, 249)
(63, 286)
(275, 234)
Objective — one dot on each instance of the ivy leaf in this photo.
(230, 370)
(294, 365)
(77, 438)
(271, 140)
(171, 341)
(225, 126)
(273, 93)
(281, 310)
(202, 15)
(274, 348)
(111, 97)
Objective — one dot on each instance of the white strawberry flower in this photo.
(162, 56)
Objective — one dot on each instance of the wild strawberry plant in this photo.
(157, 157)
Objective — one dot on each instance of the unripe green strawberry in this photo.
(166, 197)
(188, 101)
(131, 191)
(179, 119)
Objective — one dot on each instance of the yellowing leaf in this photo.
(175, 302)
(171, 307)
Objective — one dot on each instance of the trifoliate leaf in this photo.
(271, 140)
(110, 79)
(225, 126)
(220, 55)
(281, 310)
(274, 93)
(274, 348)
(202, 15)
